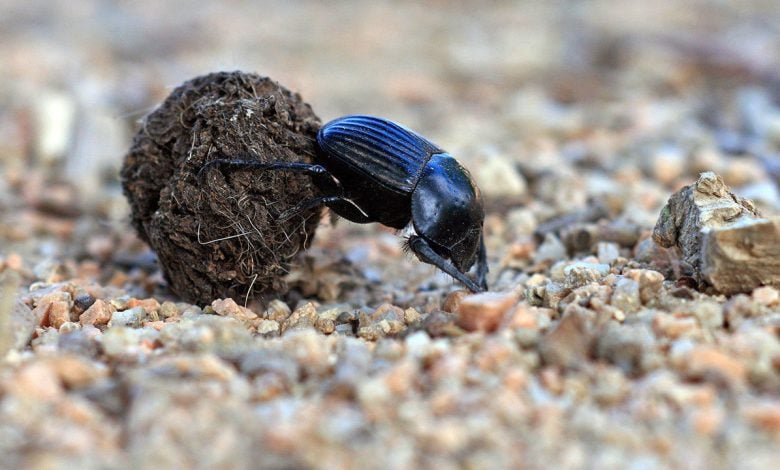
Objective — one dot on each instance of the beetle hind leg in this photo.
(341, 205)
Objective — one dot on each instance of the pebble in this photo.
(37, 381)
(440, 324)
(553, 294)
(709, 313)
(224, 336)
(55, 115)
(499, 178)
(764, 415)
(667, 163)
(767, 295)
(266, 327)
(453, 300)
(83, 302)
(484, 311)
(59, 313)
(69, 326)
(325, 325)
(625, 295)
(229, 308)
(122, 342)
(277, 311)
(309, 351)
(43, 307)
(303, 317)
(388, 312)
(550, 250)
(650, 253)
(580, 273)
(625, 346)
(332, 312)
(411, 316)
(417, 344)
(150, 306)
(739, 308)
(22, 324)
(522, 222)
(132, 317)
(673, 326)
(78, 342)
(585, 237)
(568, 344)
(607, 252)
(380, 329)
(77, 372)
(169, 309)
(99, 313)
(260, 362)
(710, 364)
(650, 283)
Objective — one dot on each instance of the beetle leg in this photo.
(343, 204)
(347, 208)
(482, 266)
(319, 174)
(425, 253)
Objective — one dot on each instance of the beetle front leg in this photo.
(425, 253)
(320, 176)
(482, 266)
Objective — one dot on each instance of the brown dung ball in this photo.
(218, 235)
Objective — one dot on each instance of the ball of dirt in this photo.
(218, 235)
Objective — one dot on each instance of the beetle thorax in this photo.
(447, 209)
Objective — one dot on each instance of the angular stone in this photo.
(59, 313)
(303, 317)
(229, 308)
(97, 314)
(705, 205)
(743, 256)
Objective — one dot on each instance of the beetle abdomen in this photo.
(379, 149)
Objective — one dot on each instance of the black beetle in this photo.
(374, 170)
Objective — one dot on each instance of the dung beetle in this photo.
(371, 169)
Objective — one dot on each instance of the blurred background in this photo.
(591, 111)
(549, 103)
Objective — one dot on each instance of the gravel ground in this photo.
(595, 346)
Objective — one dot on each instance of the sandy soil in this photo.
(595, 346)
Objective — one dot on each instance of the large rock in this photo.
(742, 257)
(723, 239)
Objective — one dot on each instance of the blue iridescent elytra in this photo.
(393, 154)
(371, 169)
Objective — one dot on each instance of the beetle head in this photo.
(447, 211)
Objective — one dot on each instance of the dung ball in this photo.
(218, 234)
